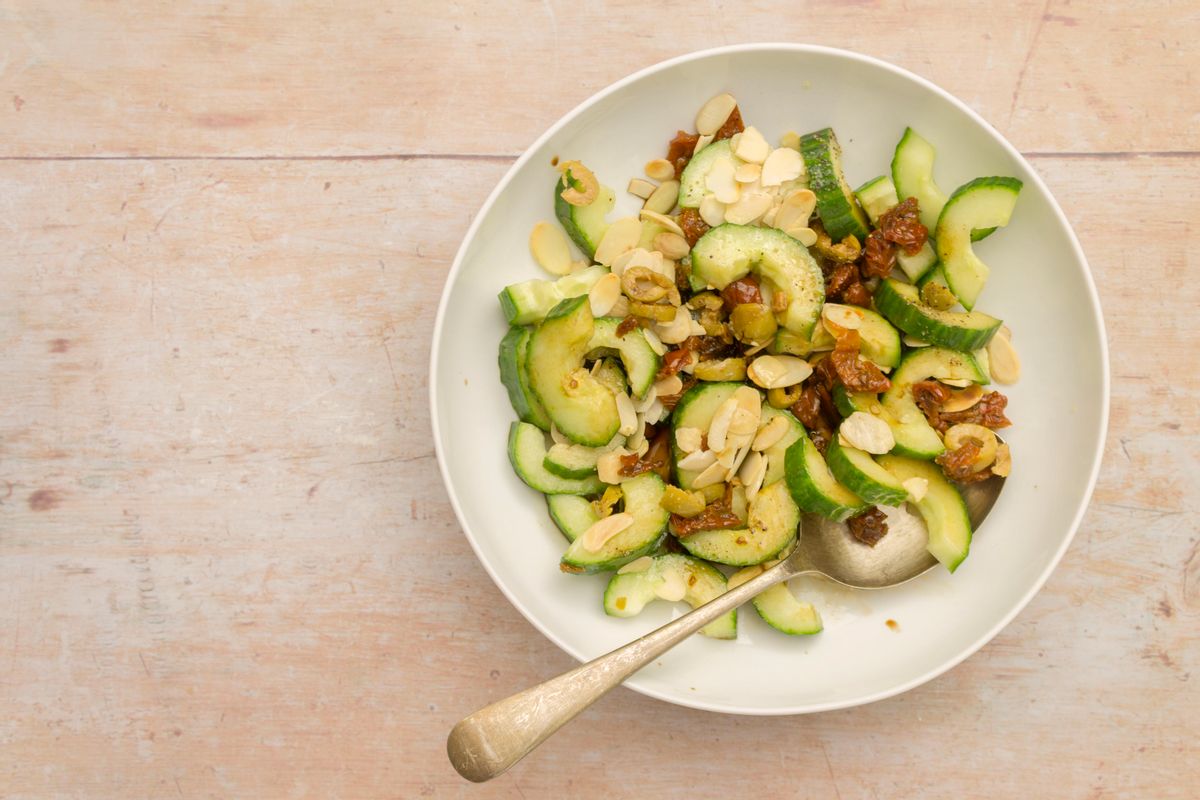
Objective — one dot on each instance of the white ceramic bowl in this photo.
(1040, 285)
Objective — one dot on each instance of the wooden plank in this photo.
(333, 78)
(226, 552)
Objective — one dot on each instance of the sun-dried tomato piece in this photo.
(988, 412)
(743, 290)
(669, 401)
(868, 527)
(879, 256)
(733, 124)
(693, 225)
(856, 294)
(820, 438)
(841, 277)
(627, 324)
(824, 374)
(901, 224)
(958, 465)
(657, 459)
(679, 151)
(808, 408)
(856, 374)
(715, 516)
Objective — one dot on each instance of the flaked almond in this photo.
(719, 427)
(749, 398)
(660, 169)
(744, 423)
(751, 146)
(689, 439)
(847, 318)
(778, 372)
(752, 473)
(790, 139)
(1003, 362)
(710, 476)
(672, 587)
(795, 209)
(621, 237)
(664, 198)
(962, 399)
(743, 576)
(712, 115)
(640, 257)
(608, 466)
(668, 386)
(768, 218)
(742, 452)
(784, 164)
(805, 236)
(957, 383)
(656, 344)
(601, 531)
(677, 330)
(957, 436)
(671, 245)
(550, 248)
(748, 208)
(603, 295)
(770, 434)
(916, 488)
(720, 181)
(662, 220)
(712, 211)
(637, 565)
(698, 460)
(640, 404)
(640, 188)
(868, 433)
(912, 341)
(556, 435)
(1002, 466)
(621, 309)
(726, 457)
(702, 142)
(627, 413)
(747, 173)
(656, 413)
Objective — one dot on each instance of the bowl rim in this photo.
(837, 53)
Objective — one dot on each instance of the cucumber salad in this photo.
(758, 342)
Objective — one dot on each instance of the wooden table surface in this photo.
(228, 567)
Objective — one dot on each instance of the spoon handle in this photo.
(491, 740)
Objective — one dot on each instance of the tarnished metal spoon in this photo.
(491, 740)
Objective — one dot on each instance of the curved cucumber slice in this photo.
(674, 576)
(836, 205)
(782, 610)
(813, 486)
(849, 402)
(586, 225)
(774, 518)
(880, 341)
(982, 203)
(527, 452)
(729, 252)
(912, 174)
(516, 380)
(642, 497)
(877, 196)
(691, 183)
(916, 266)
(581, 407)
(575, 460)
(942, 508)
(958, 330)
(530, 301)
(572, 514)
(637, 356)
(858, 472)
(914, 436)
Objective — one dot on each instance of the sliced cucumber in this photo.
(638, 357)
(516, 380)
(958, 330)
(935, 275)
(782, 610)
(586, 225)
(880, 341)
(691, 183)
(849, 402)
(914, 436)
(813, 486)
(529, 302)
(917, 265)
(611, 376)
(581, 407)
(729, 252)
(942, 508)
(858, 472)
(527, 452)
(576, 460)
(672, 574)
(642, 496)
(774, 518)
(836, 205)
(982, 203)
(877, 196)
(912, 174)
(572, 514)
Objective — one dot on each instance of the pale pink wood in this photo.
(227, 565)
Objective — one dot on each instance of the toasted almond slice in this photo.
(672, 588)
(640, 188)
(640, 404)
(749, 398)
(550, 248)
(956, 383)
(739, 458)
(711, 475)
(689, 439)
(1002, 466)
(698, 460)
(556, 436)
(795, 209)
(912, 341)
(744, 423)
(752, 472)
(957, 435)
(778, 372)
(603, 295)
(677, 330)
(769, 434)
(719, 426)
(1003, 362)
(747, 173)
(662, 219)
(867, 432)
(805, 236)
(672, 245)
(790, 139)
(720, 181)
(962, 399)
(848, 318)
(712, 115)
(656, 344)
(627, 413)
(602, 530)
(916, 488)
(768, 218)
(608, 466)
(668, 386)
(664, 198)
(639, 257)
(621, 237)
(660, 169)
(656, 413)
(748, 208)
(726, 457)
(704, 141)
(712, 211)
(637, 565)
(783, 164)
(751, 146)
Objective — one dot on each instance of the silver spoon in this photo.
(491, 740)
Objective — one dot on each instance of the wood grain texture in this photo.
(224, 548)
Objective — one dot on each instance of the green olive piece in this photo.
(785, 397)
(725, 369)
(753, 323)
(937, 296)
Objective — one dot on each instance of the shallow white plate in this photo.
(1040, 285)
